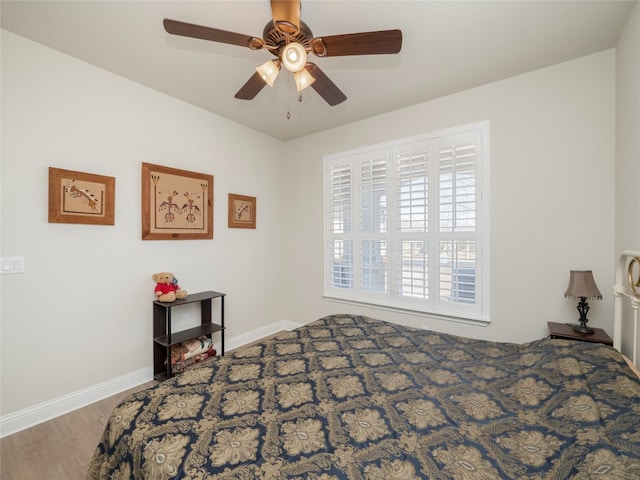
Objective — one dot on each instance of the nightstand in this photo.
(564, 331)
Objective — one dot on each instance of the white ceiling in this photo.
(448, 46)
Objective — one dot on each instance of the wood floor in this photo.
(59, 449)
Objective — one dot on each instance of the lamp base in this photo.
(583, 308)
(582, 329)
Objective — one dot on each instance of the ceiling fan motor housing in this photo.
(276, 39)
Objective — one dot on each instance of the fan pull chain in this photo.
(289, 77)
(289, 107)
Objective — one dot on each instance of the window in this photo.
(406, 224)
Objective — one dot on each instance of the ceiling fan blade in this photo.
(365, 43)
(286, 15)
(183, 29)
(250, 89)
(324, 86)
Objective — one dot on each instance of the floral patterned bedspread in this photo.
(350, 397)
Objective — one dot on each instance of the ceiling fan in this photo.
(290, 40)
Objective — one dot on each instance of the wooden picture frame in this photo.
(176, 204)
(81, 198)
(242, 211)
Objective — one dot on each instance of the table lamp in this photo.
(582, 286)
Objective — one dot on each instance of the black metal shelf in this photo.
(164, 338)
(191, 298)
(188, 334)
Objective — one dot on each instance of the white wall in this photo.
(552, 195)
(628, 145)
(81, 313)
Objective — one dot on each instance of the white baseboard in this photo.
(31, 416)
(258, 333)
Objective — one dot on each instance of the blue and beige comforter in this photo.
(350, 397)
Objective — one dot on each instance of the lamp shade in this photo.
(582, 284)
(294, 57)
(303, 79)
(269, 71)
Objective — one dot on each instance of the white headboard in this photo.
(624, 289)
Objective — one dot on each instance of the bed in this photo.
(352, 397)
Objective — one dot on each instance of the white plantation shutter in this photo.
(404, 224)
(457, 180)
(341, 198)
(340, 225)
(373, 223)
(412, 181)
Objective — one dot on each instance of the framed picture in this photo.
(242, 211)
(78, 197)
(176, 204)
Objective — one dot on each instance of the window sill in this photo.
(480, 322)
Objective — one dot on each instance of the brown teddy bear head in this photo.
(163, 277)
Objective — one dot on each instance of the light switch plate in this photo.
(12, 265)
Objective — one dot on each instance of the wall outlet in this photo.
(185, 318)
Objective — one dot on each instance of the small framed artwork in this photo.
(242, 211)
(78, 197)
(176, 204)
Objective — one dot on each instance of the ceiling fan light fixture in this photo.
(303, 79)
(269, 71)
(294, 57)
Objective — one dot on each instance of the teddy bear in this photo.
(167, 288)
